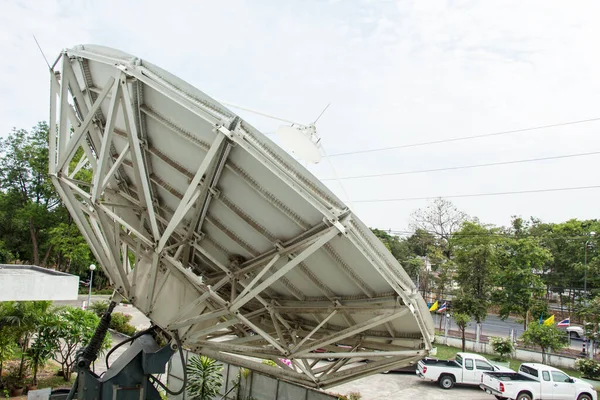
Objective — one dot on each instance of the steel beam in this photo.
(103, 158)
(350, 331)
(192, 191)
(136, 154)
(75, 140)
(332, 232)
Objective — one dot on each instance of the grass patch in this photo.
(446, 352)
(48, 378)
(55, 382)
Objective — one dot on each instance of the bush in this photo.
(120, 323)
(99, 307)
(589, 368)
(354, 396)
(502, 346)
(269, 362)
(95, 291)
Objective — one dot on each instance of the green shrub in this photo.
(99, 307)
(340, 396)
(502, 346)
(269, 362)
(120, 323)
(354, 396)
(589, 368)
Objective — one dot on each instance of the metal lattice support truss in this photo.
(212, 230)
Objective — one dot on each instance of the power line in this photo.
(420, 171)
(549, 236)
(478, 194)
(404, 146)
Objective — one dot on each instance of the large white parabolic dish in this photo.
(234, 244)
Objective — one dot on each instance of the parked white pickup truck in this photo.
(536, 381)
(465, 369)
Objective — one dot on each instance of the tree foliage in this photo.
(35, 227)
(546, 337)
(502, 346)
(475, 248)
(24, 179)
(462, 320)
(24, 319)
(520, 289)
(71, 329)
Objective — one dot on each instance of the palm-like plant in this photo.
(44, 345)
(24, 318)
(204, 378)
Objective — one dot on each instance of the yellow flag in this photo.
(549, 321)
(434, 306)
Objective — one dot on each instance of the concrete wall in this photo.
(521, 354)
(27, 282)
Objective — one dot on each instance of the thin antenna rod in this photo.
(39, 47)
(322, 112)
(259, 113)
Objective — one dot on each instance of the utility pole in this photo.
(590, 348)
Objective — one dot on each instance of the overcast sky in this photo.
(395, 73)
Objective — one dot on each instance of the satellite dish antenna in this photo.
(302, 141)
(299, 139)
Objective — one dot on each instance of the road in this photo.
(494, 326)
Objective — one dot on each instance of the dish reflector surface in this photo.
(300, 142)
(212, 230)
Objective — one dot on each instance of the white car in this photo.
(536, 381)
(576, 332)
(465, 369)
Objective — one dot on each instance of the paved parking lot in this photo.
(406, 386)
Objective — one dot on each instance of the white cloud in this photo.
(395, 73)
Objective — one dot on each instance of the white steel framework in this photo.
(212, 230)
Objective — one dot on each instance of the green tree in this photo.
(414, 267)
(421, 242)
(73, 252)
(519, 287)
(566, 271)
(475, 248)
(398, 247)
(72, 329)
(43, 347)
(204, 378)
(502, 346)
(24, 318)
(8, 347)
(462, 320)
(24, 174)
(590, 314)
(546, 337)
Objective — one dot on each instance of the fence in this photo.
(557, 360)
(244, 386)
